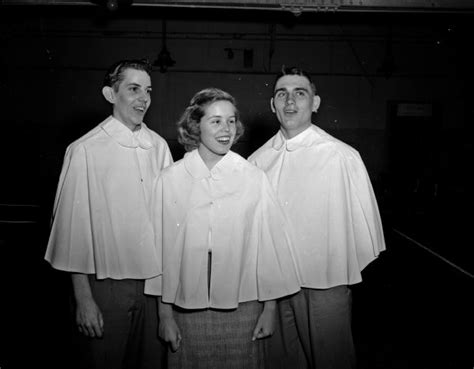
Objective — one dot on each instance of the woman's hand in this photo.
(266, 321)
(168, 330)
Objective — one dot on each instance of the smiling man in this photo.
(101, 231)
(326, 193)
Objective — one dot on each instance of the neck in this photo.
(290, 133)
(208, 157)
(132, 127)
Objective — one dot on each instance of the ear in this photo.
(272, 105)
(109, 94)
(316, 103)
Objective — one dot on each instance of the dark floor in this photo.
(413, 310)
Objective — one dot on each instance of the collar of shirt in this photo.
(303, 139)
(198, 169)
(125, 137)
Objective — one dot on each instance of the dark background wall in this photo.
(396, 86)
(54, 59)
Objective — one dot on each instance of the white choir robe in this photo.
(326, 194)
(101, 217)
(232, 212)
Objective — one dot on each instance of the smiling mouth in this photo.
(224, 140)
(140, 109)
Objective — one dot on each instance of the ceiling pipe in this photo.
(295, 7)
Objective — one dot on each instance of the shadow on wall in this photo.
(259, 129)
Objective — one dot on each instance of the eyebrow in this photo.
(137, 85)
(221, 116)
(296, 89)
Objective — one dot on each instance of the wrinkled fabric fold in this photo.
(101, 219)
(232, 212)
(325, 191)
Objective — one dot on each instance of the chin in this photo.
(222, 152)
(289, 122)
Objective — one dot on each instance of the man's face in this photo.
(132, 99)
(293, 102)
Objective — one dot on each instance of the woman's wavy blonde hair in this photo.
(189, 131)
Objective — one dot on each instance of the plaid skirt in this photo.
(218, 339)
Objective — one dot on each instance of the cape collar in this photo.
(303, 139)
(125, 137)
(198, 169)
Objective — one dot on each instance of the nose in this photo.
(290, 98)
(226, 126)
(145, 97)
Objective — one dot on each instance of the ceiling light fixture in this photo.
(164, 59)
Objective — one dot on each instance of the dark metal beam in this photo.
(295, 6)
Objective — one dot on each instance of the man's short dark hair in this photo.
(115, 74)
(294, 71)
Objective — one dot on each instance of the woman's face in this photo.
(218, 127)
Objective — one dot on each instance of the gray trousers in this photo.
(130, 337)
(313, 331)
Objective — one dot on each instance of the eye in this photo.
(280, 95)
(232, 121)
(216, 121)
(300, 93)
